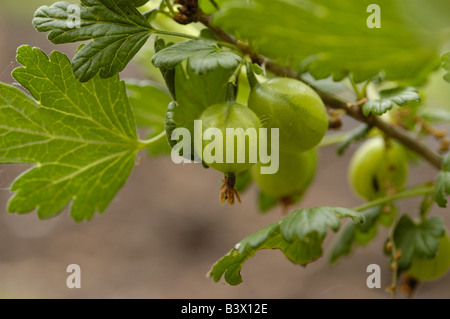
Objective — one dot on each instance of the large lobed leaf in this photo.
(299, 236)
(116, 28)
(138, 3)
(328, 37)
(81, 137)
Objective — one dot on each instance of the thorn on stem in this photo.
(393, 265)
(389, 246)
(398, 254)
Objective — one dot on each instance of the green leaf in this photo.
(327, 85)
(387, 216)
(194, 93)
(399, 96)
(80, 136)
(417, 239)
(210, 6)
(445, 58)
(167, 74)
(202, 56)
(257, 69)
(447, 77)
(442, 187)
(331, 38)
(149, 105)
(433, 16)
(266, 202)
(116, 28)
(139, 3)
(344, 244)
(230, 265)
(207, 33)
(358, 133)
(360, 234)
(365, 232)
(299, 236)
(435, 115)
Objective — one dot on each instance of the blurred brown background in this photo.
(166, 228)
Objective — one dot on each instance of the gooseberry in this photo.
(292, 107)
(376, 168)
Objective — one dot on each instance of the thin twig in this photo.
(395, 256)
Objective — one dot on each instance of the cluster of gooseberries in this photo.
(379, 167)
(300, 116)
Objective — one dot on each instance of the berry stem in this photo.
(252, 80)
(358, 92)
(424, 189)
(232, 83)
(425, 206)
(147, 143)
(332, 139)
(170, 7)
